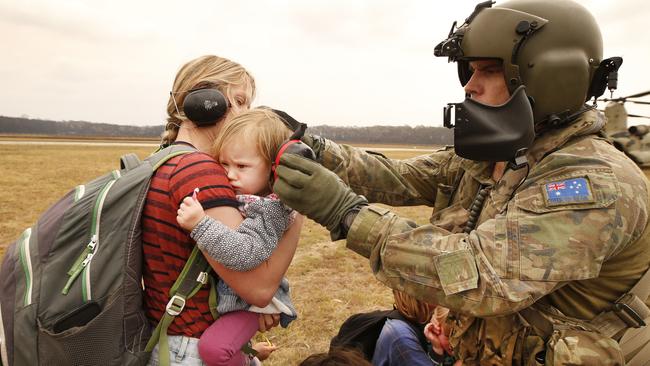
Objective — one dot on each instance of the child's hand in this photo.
(435, 334)
(432, 334)
(264, 350)
(190, 213)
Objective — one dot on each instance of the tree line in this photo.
(17, 125)
(419, 135)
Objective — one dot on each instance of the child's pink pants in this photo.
(220, 344)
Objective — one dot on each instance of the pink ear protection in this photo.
(293, 145)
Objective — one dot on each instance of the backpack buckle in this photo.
(627, 313)
(203, 278)
(175, 305)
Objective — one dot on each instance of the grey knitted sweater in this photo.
(266, 220)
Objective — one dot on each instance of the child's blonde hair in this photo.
(440, 313)
(412, 308)
(261, 125)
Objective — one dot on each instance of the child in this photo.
(245, 148)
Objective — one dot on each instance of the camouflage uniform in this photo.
(574, 256)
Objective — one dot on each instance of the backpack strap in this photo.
(129, 161)
(628, 317)
(212, 298)
(635, 346)
(160, 157)
(629, 311)
(194, 275)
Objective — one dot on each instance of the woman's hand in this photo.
(190, 213)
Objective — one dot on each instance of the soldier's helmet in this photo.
(553, 48)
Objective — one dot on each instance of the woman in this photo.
(166, 245)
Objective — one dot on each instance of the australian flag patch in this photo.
(574, 190)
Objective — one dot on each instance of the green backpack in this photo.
(71, 286)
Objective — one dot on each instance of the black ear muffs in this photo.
(205, 107)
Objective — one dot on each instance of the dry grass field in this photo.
(329, 282)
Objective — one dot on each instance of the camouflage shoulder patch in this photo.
(568, 191)
(457, 271)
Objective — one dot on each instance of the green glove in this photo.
(316, 143)
(316, 192)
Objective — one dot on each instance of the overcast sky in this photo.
(336, 62)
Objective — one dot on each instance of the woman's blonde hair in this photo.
(205, 71)
(412, 308)
(261, 125)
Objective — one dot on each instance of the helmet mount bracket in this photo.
(606, 76)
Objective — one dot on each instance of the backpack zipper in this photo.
(97, 214)
(26, 261)
(82, 263)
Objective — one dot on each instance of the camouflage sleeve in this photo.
(535, 246)
(407, 182)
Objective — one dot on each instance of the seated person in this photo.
(406, 342)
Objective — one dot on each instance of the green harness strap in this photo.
(195, 274)
(212, 299)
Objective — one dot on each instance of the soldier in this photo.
(539, 228)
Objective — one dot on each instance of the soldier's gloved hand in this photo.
(316, 192)
(316, 143)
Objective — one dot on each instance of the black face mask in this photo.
(493, 133)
